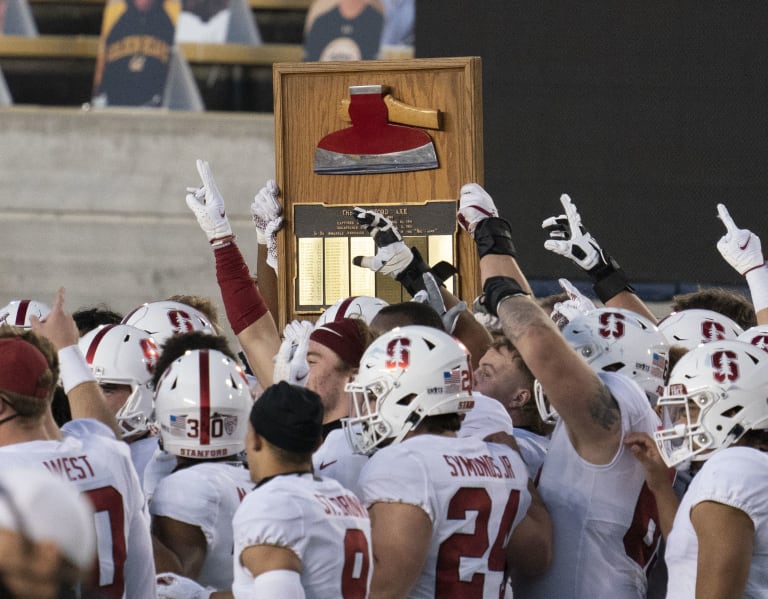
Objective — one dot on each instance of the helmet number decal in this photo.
(725, 365)
(218, 425)
(398, 353)
(611, 325)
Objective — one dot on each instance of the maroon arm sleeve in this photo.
(242, 300)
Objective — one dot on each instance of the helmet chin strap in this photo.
(12, 416)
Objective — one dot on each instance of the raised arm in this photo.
(569, 238)
(246, 310)
(742, 249)
(582, 400)
(86, 399)
(394, 259)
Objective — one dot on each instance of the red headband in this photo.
(21, 366)
(342, 337)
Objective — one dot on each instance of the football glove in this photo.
(208, 206)
(740, 248)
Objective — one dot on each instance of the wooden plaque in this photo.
(320, 236)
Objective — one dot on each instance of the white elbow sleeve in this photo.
(285, 584)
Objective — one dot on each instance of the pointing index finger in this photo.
(724, 215)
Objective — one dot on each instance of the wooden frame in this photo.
(307, 98)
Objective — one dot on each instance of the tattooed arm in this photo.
(587, 408)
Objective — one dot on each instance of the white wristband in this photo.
(74, 369)
(757, 278)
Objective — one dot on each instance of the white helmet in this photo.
(406, 375)
(202, 405)
(166, 318)
(716, 393)
(690, 328)
(756, 335)
(124, 355)
(356, 306)
(617, 340)
(17, 313)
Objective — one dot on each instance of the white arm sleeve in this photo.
(285, 584)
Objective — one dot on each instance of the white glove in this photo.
(208, 205)
(291, 359)
(392, 255)
(741, 248)
(174, 586)
(267, 216)
(568, 238)
(475, 205)
(576, 305)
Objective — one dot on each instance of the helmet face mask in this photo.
(202, 406)
(406, 375)
(125, 355)
(547, 411)
(716, 393)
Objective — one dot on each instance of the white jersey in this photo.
(142, 451)
(604, 517)
(160, 465)
(533, 448)
(488, 416)
(206, 495)
(737, 477)
(336, 459)
(486, 482)
(100, 466)
(323, 523)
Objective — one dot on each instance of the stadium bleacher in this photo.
(56, 67)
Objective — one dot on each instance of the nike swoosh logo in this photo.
(324, 465)
(744, 247)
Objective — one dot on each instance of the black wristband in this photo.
(412, 277)
(494, 236)
(496, 289)
(608, 279)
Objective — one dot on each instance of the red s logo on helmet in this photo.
(725, 365)
(181, 321)
(760, 341)
(712, 331)
(398, 355)
(611, 325)
(151, 353)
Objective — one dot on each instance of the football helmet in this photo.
(202, 405)
(124, 355)
(356, 306)
(18, 312)
(756, 335)
(617, 340)
(716, 393)
(406, 375)
(166, 318)
(690, 328)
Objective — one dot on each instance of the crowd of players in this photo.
(528, 447)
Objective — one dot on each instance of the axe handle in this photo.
(402, 113)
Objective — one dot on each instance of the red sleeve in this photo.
(242, 300)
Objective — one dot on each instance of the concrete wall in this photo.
(94, 201)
